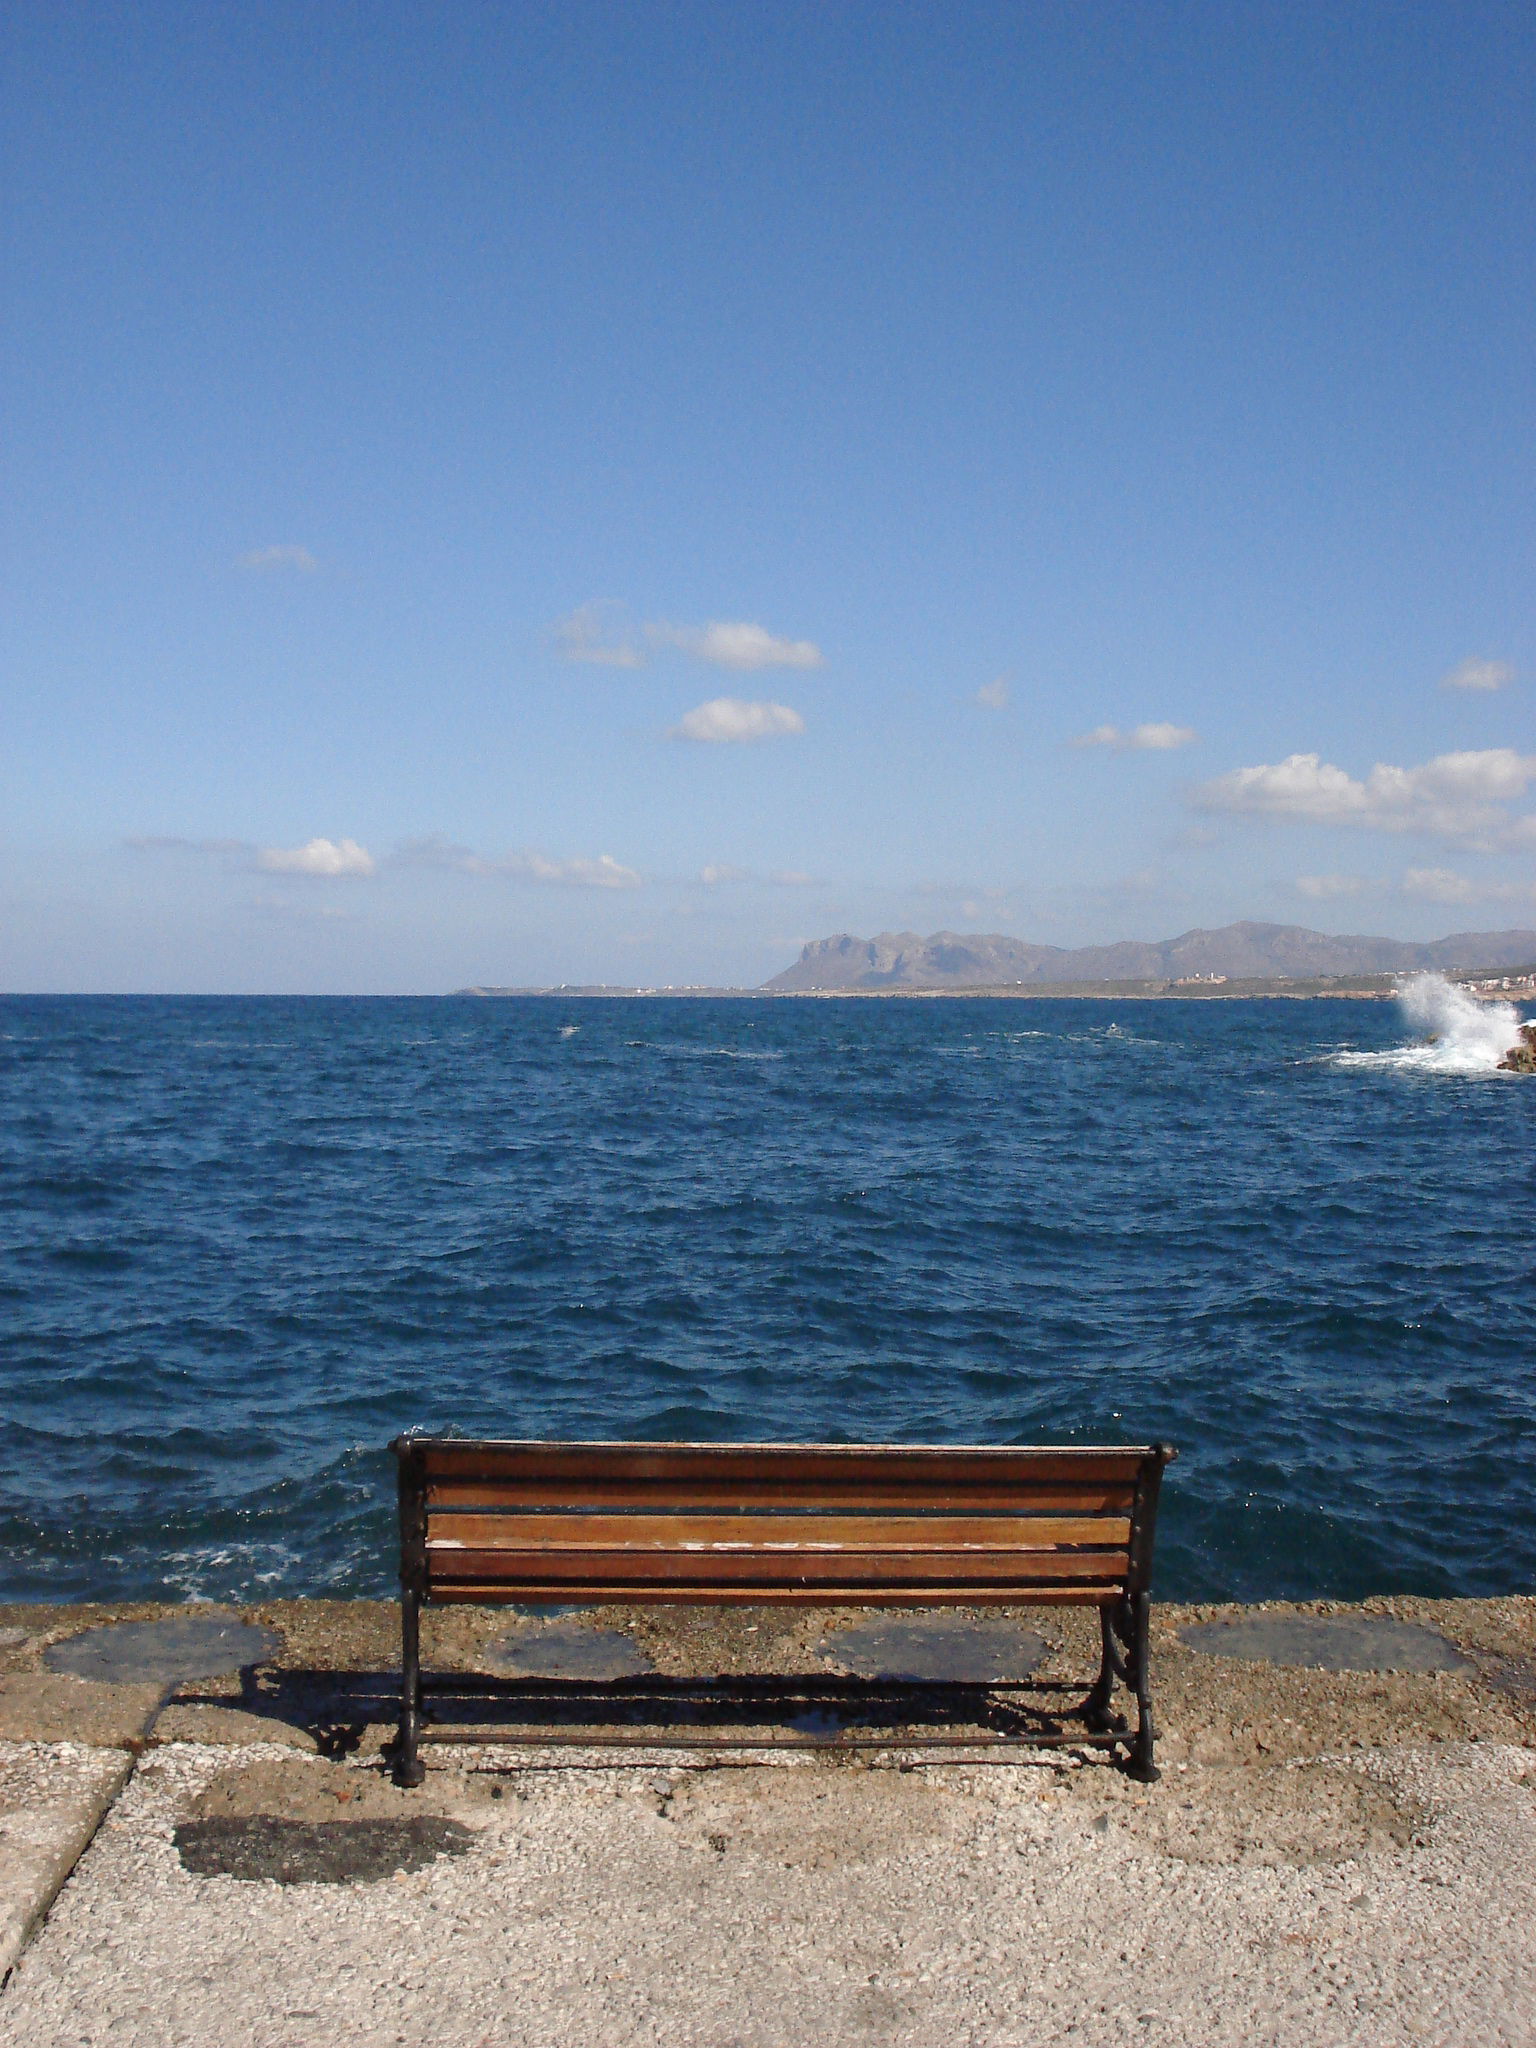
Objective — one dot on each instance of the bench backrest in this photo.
(886, 1525)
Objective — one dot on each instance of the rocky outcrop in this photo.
(1521, 1058)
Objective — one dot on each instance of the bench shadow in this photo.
(335, 1708)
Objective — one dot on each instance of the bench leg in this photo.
(1097, 1708)
(1142, 1764)
(409, 1768)
(1127, 1625)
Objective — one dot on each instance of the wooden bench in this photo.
(816, 1524)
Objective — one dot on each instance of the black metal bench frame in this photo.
(505, 1496)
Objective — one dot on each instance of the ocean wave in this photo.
(1465, 1036)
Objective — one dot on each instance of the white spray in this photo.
(1466, 1036)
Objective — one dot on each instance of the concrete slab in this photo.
(52, 1798)
(37, 1706)
(194, 1721)
(103, 1684)
(335, 1681)
(1380, 1899)
(1320, 1831)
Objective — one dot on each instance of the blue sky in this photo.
(610, 492)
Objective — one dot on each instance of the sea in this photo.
(246, 1242)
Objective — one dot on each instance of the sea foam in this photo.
(1464, 1036)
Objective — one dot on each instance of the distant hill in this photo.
(1240, 951)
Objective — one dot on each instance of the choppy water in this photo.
(245, 1242)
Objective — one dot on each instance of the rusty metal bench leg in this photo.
(1142, 1764)
(1126, 1656)
(409, 1769)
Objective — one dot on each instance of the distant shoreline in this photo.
(1367, 988)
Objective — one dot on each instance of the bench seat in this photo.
(804, 1525)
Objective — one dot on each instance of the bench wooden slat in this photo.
(1024, 1495)
(725, 1533)
(492, 1593)
(842, 1469)
(724, 1568)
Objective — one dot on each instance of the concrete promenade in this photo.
(1332, 1855)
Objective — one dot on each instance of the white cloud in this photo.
(578, 872)
(597, 633)
(1324, 888)
(602, 873)
(1473, 674)
(1455, 796)
(332, 857)
(1437, 885)
(600, 633)
(738, 645)
(727, 719)
(993, 696)
(722, 872)
(318, 857)
(1444, 885)
(1137, 739)
(284, 557)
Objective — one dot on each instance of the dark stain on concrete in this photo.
(935, 1648)
(263, 1846)
(167, 1651)
(1327, 1642)
(565, 1649)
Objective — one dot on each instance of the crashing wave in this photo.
(1463, 1035)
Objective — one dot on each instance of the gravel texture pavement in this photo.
(1379, 1897)
(1334, 1855)
(52, 1797)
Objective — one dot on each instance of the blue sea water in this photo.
(245, 1242)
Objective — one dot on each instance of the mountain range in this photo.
(1239, 951)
